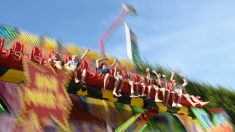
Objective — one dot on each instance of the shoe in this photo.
(179, 105)
(115, 94)
(204, 103)
(158, 101)
(173, 104)
(132, 96)
(76, 80)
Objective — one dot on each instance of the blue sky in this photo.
(194, 37)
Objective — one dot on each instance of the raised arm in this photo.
(184, 80)
(114, 62)
(98, 62)
(158, 77)
(172, 75)
(83, 56)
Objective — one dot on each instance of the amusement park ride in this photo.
(11, 70)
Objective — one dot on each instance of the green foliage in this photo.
(217, 96)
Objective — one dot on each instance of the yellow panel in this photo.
(138, 102)
(74, 50)
(183, 110)
(108, 95)
(95, 101)
(82, 93)
(12, 75)
(161, 107)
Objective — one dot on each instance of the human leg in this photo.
(117, 81)
(156, 94)
(198, 101)
(149, 90)
(187, 96)
(179, 92)
(76, 76)
(173, 98)
(132, 88)
(84, 73)
(168, 93)
(143, 89)
(106, 80)
(121, 86)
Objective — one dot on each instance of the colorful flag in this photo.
(132, 47)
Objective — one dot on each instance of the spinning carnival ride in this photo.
(91, 105)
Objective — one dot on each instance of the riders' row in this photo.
(121, 74)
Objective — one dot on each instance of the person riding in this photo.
(129, 77)
(119, 80)
(55, 61)
(137, 81)
(149, 83)
(103, 68)
(73, 65)
(162, 84)
(177, 89)
(143, 83)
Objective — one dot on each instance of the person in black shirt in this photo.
(103, 68)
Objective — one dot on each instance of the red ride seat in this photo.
(1, 44)
(17, 51)
(68, 58)
(4, 53)
(85, 65)
(36, 55)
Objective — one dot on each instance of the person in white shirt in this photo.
(73, 65)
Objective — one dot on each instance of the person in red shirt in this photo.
(150, 84)
(129, 77)
(137, 81)
(162, 84)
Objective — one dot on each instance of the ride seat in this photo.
(112, 72)
(4, 53)
(50, 54)
(85, 64)
(68, 58)
(136, 78)
(17, 51)
(169, 86)
(36, 55)
(1, 44)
